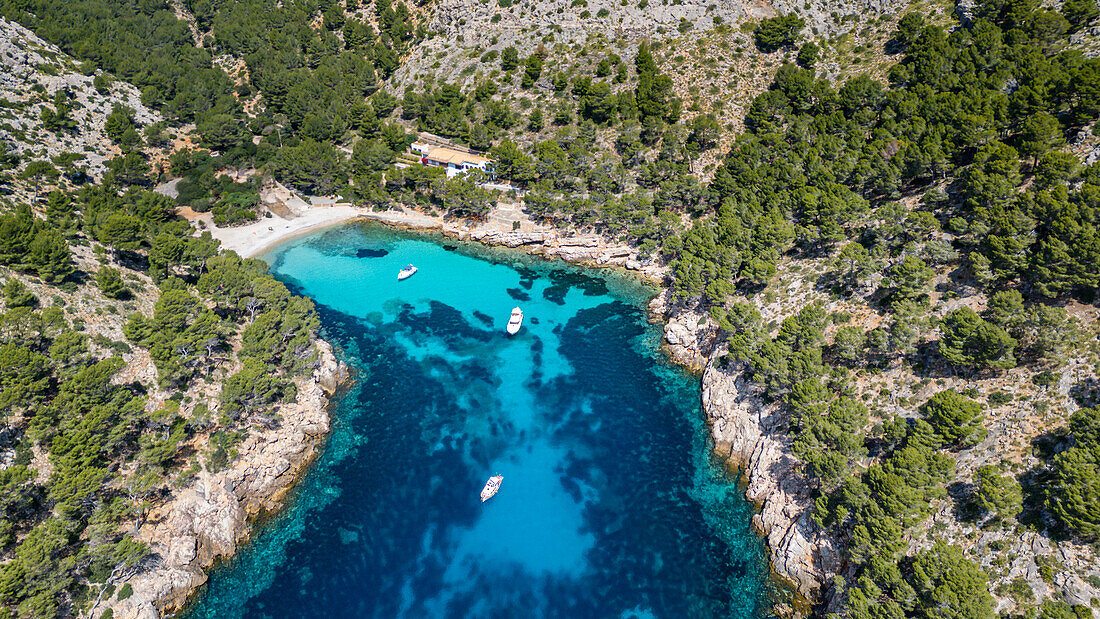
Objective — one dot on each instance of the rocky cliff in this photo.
(209, 520)
(1024, 565)
(752, 435)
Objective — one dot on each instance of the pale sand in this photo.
(254, 239)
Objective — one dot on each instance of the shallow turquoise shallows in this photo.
(611, 504)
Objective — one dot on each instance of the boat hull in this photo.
(491, 487)
(515, 321)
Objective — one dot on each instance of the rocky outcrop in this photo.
(689, 336)
(753, 435)
(208, 520)
(331, 373)
(588, 249)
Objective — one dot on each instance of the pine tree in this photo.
(955, 418)
(997, 495)
(110, 283)
(49, 255)
(509, 59)
(16, 294)
(776, 32)
(969, 341)
(1075, 496)
(950, 586)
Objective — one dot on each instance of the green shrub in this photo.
(776, 32)
(1046, 378)
(955, 418)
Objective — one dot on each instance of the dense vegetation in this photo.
(108, 453)
(955, 165)
(314, 85)
(1073, 495)
(821, 170)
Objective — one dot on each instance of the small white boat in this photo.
(406, 272)
(515, 321)
(491, 487)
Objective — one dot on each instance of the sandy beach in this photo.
(254, 239)
(505, 225)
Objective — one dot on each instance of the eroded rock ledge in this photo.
(208, 520)
(589, 249)
(752, 434)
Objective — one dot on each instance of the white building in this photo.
(455, 161)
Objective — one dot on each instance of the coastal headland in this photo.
(209, 520)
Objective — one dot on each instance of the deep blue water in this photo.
(611, 505)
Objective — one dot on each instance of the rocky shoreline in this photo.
(592, 250)
(588, 249)
(210, 519)
(751, 435)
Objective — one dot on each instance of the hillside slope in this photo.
(140, 367)
(880, 223)
(52, 109)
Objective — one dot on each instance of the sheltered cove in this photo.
(249, 490)
(742, 428)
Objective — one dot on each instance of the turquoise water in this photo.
(611, 504)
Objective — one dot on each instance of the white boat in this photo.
(515, 321)
(406, 272)
(491, 487)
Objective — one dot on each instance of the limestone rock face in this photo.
(754, 437)
(331, 373)
(209, 519)
(508, 239)
(689, 335)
